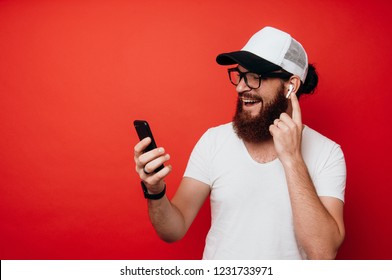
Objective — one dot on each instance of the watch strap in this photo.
(152, 196)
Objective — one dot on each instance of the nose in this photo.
(242, 86)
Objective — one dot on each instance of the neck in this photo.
(262, 152)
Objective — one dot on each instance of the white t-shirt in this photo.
(250, 204)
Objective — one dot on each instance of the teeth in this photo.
(250, 100)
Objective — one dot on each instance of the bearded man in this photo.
(276, 186)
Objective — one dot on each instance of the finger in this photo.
(141, 146)
(273, 129)
(281, 123)
(296, 116)
(151, 166)
(161, 175)
(287, 120)
(151, 155)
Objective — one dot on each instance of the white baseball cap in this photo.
(269, 50)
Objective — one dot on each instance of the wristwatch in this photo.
(152, 196)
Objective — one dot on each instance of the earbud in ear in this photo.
(291, 88)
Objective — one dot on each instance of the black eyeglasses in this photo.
(253, 80)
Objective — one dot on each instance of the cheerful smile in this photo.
(249, 101)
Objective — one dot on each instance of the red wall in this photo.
(74, 75)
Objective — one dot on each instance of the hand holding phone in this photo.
(143, 130)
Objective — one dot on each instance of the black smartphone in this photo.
(143, 130)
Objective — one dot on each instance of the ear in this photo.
(293, 85)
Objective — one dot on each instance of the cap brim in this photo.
(247, 60)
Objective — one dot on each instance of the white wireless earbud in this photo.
(291, 88)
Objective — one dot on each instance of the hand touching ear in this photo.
(287, 133)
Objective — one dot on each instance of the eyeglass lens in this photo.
(252, 80)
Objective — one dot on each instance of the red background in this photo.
(75, 74)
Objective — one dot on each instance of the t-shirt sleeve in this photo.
(331, 178)
(199, 164)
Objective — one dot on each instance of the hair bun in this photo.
(311, 81)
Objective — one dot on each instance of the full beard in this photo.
(255, 129)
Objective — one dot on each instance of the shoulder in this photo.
(226, 128)
(319, 148)
(313, 138)
(217, 137)
(326, 163)
(219, 133)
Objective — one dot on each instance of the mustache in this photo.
(249, 96)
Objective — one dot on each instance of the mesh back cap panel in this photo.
(295, 60)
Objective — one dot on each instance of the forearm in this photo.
(316, 229)
(166, 219)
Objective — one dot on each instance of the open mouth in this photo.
(249, 101)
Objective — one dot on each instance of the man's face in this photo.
(258, 108)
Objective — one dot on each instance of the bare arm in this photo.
(171, 220)
(318, 221)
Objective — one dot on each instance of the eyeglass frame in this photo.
(281, 75)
